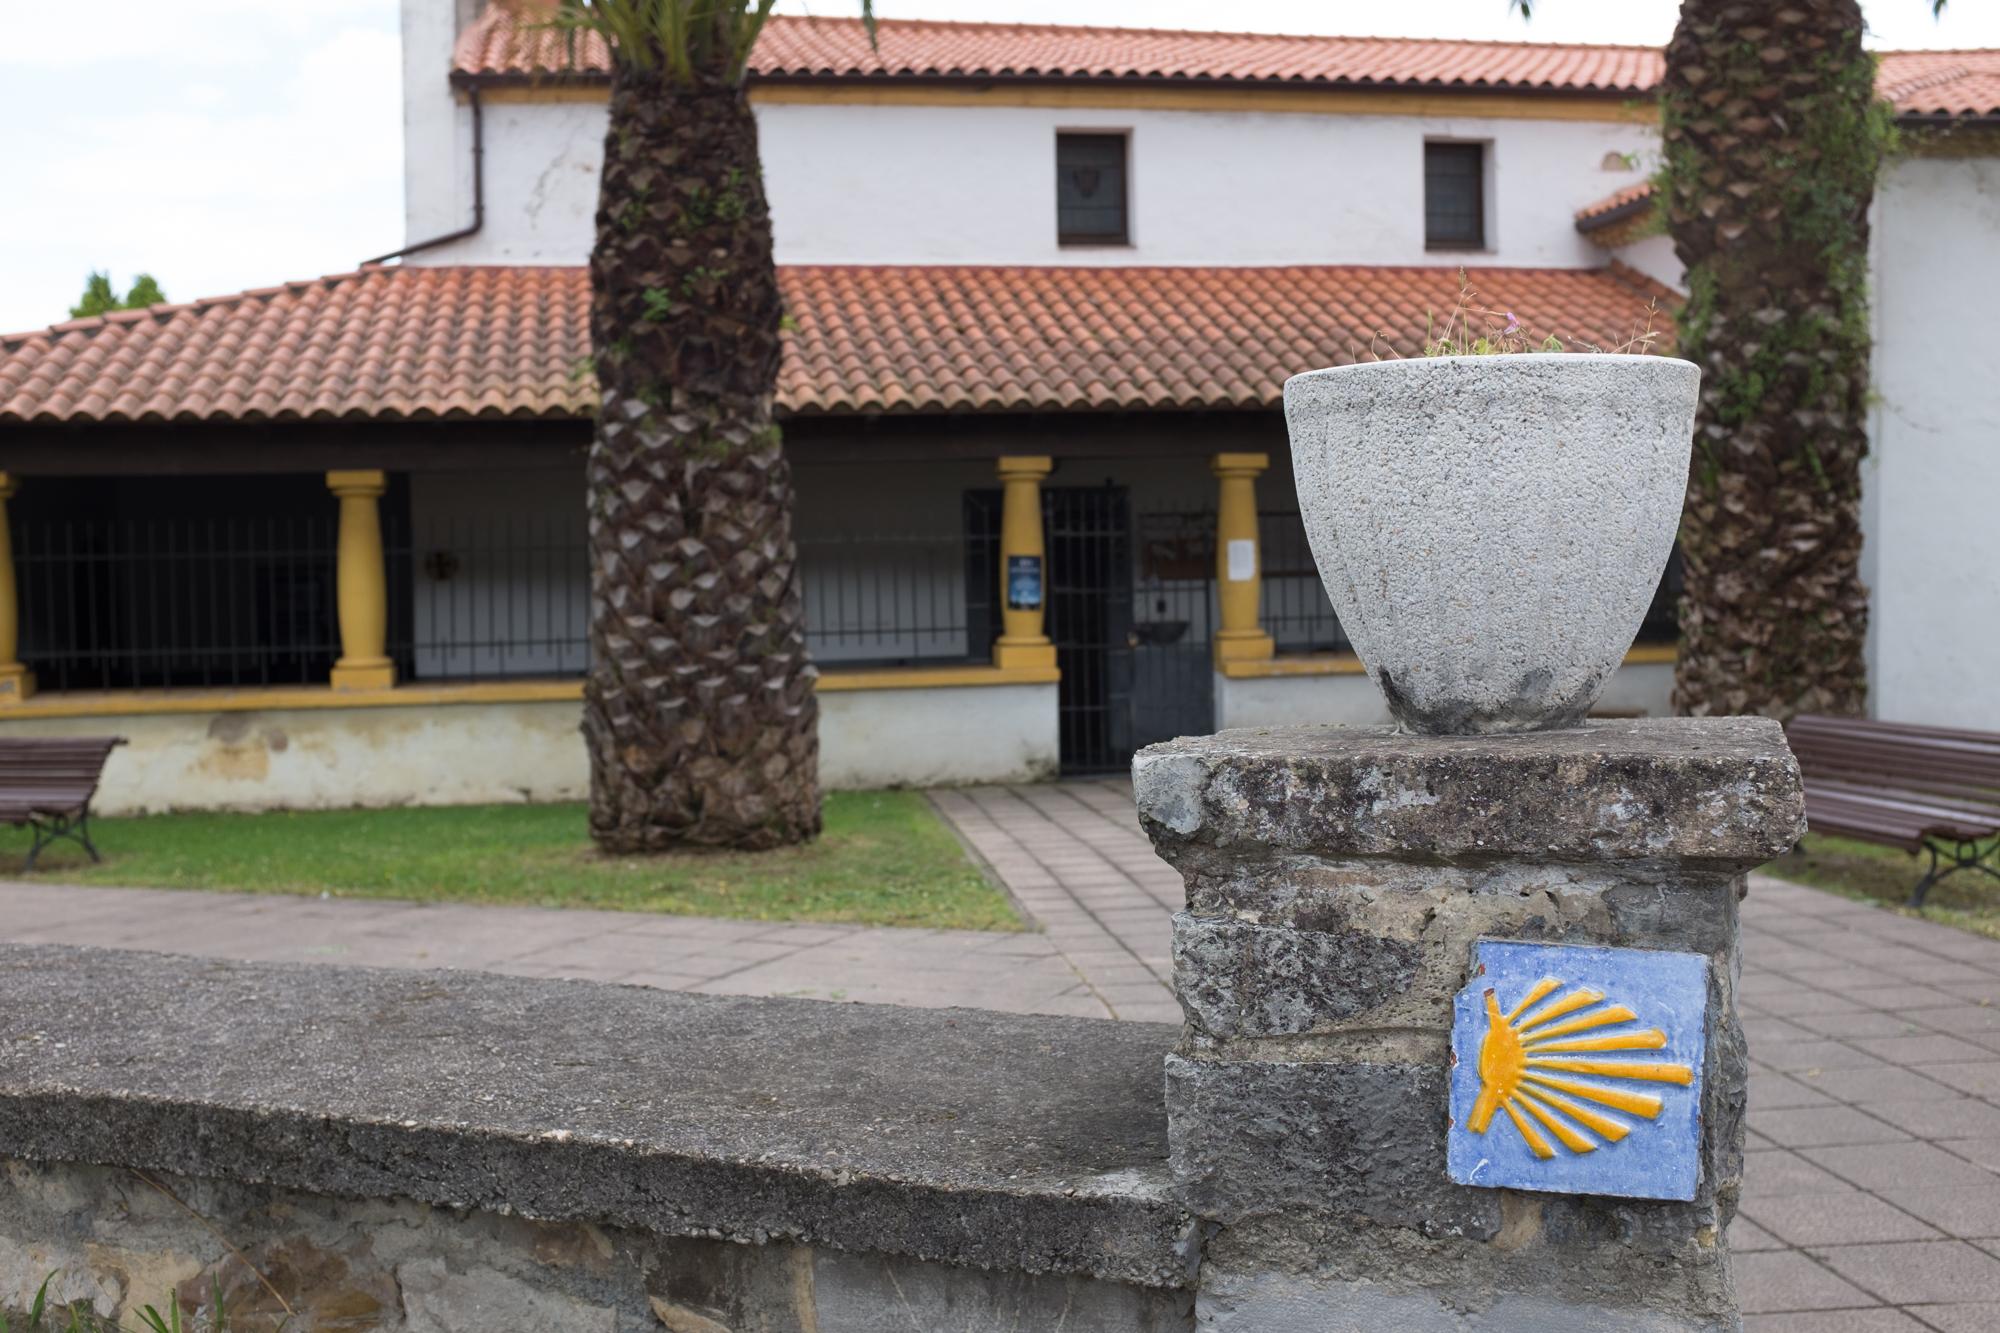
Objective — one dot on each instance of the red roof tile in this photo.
(1614, 207)
(1941, 83)
(501, 45)
(421, 343)
(498, 43)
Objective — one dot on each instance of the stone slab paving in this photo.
(1872, 1192)
(1021, 972)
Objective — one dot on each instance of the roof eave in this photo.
(465, 78)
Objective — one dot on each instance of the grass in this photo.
(1862, 870)
(885, 859)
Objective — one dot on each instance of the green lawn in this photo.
(1968, 899)
(885, 859)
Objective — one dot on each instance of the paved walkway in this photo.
(1872, 1192)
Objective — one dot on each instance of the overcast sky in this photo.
(225, 144)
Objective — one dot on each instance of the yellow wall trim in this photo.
(1347, 664)
(132, 703)
(933, 678)
(1152, 97)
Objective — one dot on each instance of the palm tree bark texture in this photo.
(699, 709)
(1772, 139)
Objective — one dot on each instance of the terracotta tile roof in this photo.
(422, 343)
(1941, 83)
(499, 44)
(1615, 207)
(386, 343)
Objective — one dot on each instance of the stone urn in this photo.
(1491, 529)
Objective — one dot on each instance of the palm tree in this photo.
(1773, 138)
(699, 709)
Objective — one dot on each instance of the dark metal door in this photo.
(1089, 535)
(1130, 618)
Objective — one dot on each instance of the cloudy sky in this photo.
(225, 144)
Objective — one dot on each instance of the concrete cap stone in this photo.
(1722, 792)
(1025, 1143)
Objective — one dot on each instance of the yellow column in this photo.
(1239, 572)
(16, 681)
(1023, 572)
(361, 583)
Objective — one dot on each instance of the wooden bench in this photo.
(47, 784)
(1926, 789)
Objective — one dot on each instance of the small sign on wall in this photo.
(1242, 560)
(1024, 583)
(1577, 1070)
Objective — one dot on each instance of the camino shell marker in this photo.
(1577, 1070)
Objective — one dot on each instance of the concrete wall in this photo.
(977, 184)
(1641, 688)
(1932, 548)
(473, 753)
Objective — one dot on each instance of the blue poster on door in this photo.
(1024, 582)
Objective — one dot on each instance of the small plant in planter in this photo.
(1491, 519)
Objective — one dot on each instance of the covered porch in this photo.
(325, 544)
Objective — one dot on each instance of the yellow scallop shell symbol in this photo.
(1529, 1057)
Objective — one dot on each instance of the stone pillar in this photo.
(1023, 568)
(1339, 1106)
(361, 583)
(1239, 563)
(16, 681)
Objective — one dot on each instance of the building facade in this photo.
(323, 543)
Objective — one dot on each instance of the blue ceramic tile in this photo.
(1578, 1070)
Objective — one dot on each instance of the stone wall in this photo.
(1339, 881)
(119, 1239)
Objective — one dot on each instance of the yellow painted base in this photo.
(935, 678)
(16, 684)
(1034, 654)
(364, 675)
(1243, 646)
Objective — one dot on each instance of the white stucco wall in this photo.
(1932, 481)
(920, 184)
(1640, 688)
(476, 753)
(1654, 256)
(937, 737)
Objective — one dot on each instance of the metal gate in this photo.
(1134, 656)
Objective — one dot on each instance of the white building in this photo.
(1099, 247)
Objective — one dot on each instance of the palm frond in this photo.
(688, 39)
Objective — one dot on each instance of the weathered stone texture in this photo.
(1718, 791)
(396, 1266)
(1017, 1142)
(1251, 1136)
(1337, 880)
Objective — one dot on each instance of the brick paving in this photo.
(1872, 1189)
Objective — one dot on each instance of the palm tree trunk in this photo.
(699, 709)
(1773, 138)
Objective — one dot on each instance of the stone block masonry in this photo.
(457, 1151)
(1337, 881)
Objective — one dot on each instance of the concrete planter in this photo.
(1491, 529)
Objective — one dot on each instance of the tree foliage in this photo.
(100, 297)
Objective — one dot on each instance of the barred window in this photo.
(1455, 196)
(1090, 190)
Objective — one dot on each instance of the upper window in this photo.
(1090, 190)
(1455, 196)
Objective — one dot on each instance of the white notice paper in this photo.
(1242, 561)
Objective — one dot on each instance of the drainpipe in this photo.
(478, 191)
